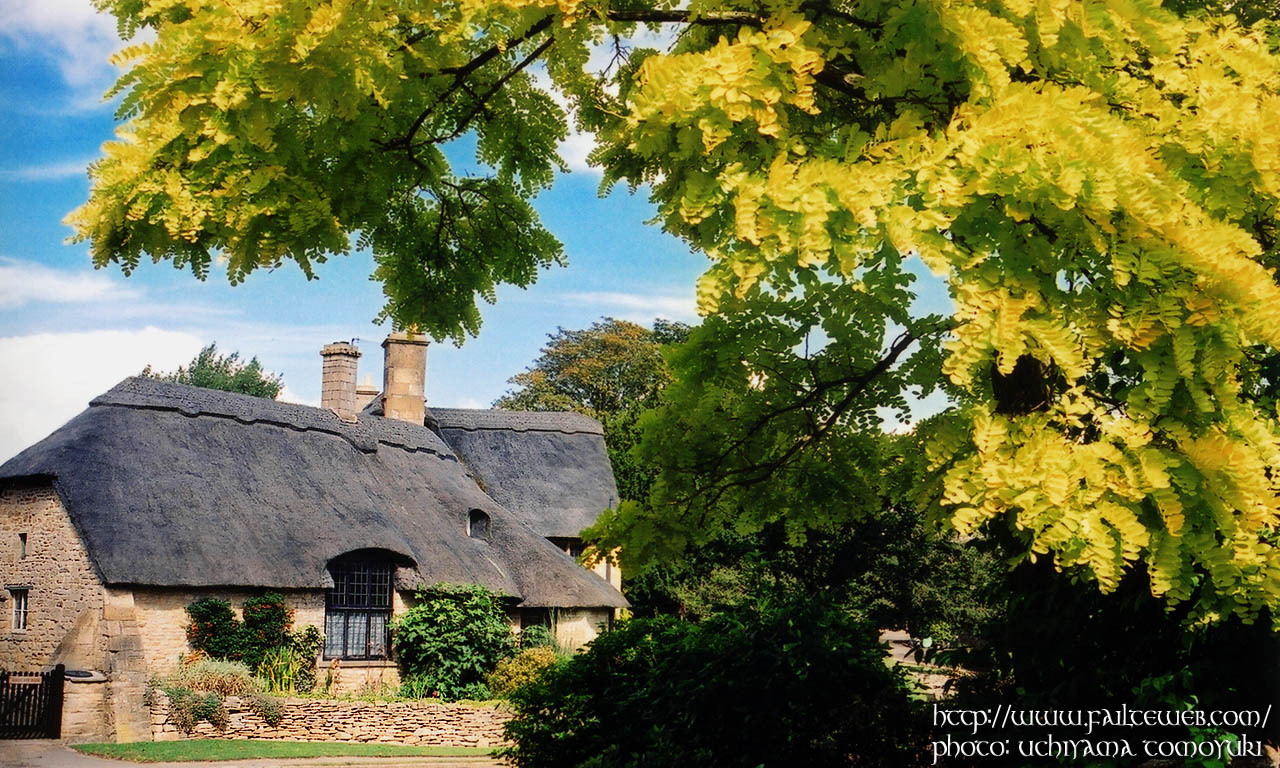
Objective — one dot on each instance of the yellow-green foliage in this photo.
(1097, 182)
(521, 669)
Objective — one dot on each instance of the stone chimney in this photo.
(338, 379)
(366, 391)
(404, 377)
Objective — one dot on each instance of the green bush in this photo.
(537, 636)
(267, 621)
(225, 678)
(798, 683)
(269, 708)
(451, 638)
(214, 629)
(521, 669)
(306, 644)
(187, 708)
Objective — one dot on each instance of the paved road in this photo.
(37, 753)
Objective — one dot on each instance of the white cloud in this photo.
(629, 306)
(287, 395)
(55, 171)
(575, 149)
(50, 377)
(23, 282)
(71, 33)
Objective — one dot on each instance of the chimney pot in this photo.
(404, 377)
(338, 379)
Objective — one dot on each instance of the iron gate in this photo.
(31, 704)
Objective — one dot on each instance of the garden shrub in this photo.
(214, 629)
(266, 625)
(798, 682)
(521, 669)
(187, 708)
(269, 708)
(225, 678)
(452, 637)
(537, 636)
(306, 644)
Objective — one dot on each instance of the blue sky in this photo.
(69, 332)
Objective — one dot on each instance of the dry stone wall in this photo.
(408, 722)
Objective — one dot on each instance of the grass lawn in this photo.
(248, 749)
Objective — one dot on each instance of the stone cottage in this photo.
(159, 494)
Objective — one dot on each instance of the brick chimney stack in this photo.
(338, 379)
(404, 376)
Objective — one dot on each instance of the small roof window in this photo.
(478, 525)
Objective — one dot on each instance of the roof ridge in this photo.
(364, 436)
(497, 419)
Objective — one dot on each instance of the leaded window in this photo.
(358, 609)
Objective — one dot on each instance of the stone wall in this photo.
(85, 708)
(65, 593)
(410, 722)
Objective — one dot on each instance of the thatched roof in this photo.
(171, 485)
(552, 467)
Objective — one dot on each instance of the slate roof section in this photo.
(171, 485)
(552, 467)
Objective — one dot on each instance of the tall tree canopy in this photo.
(211, 370)
(1097, 182)
(602, 371)
(612, 372)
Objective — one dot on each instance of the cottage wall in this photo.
(575, 627)
(162, 622)
(162, 617)
(65, 593)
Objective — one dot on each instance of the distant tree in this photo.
(226, 372)
(601, 371)
(612, 372)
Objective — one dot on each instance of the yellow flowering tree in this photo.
(1096, 180)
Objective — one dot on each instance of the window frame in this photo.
(20, 614)
(363, 593)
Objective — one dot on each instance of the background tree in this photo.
(1095, 181)
(612, 372)
(211, 370)
(875, 555)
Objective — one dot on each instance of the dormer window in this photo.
(478, 525)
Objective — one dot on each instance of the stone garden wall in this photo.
(411, 722)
